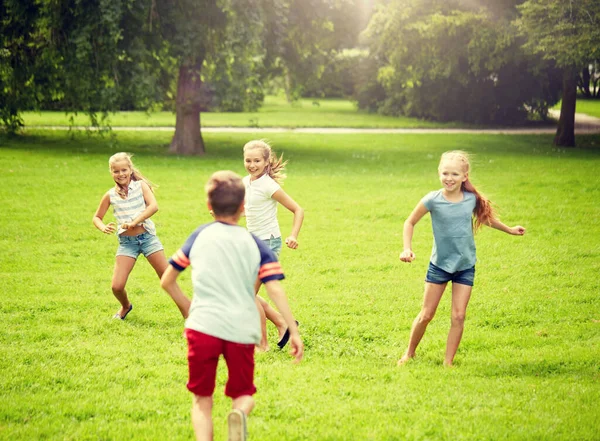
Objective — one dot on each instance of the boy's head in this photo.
(225, 192)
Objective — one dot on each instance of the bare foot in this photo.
(405, 358)
(448, 364)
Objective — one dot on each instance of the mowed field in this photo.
(528, 367)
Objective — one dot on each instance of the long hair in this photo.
(136, 175)
(275, 165)
(484, 213)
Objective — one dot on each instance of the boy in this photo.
(222, 317)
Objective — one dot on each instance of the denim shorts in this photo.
(133, 246)
(439, 276)
(274, 243)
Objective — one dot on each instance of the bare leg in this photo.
(266, 311)
(460, 299)
(158, 262)
(431, 300)
(123, 267)
(273, 316)
(245, 403)
(202, 417)
(264, 344)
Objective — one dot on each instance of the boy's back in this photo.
(225, 261)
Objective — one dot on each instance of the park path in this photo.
(584, 124)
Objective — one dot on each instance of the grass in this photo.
(276, 112)
(527, 368)
(587, 106)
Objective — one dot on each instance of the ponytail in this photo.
(484, 212)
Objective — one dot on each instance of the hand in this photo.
(128, 225)
(297, 347)
(407, 256)
(518, 230)
(109, 228)
(291, 242)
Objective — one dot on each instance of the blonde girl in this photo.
(457, 211)
(263, 193)
(134, 203)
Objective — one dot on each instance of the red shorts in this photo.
(203, 356)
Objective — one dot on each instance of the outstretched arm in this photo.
(407, 254)
(284, 199)
(277, 294)
(515, 231)
(168, 282)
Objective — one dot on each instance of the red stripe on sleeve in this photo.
(269, 269)
(181, 259)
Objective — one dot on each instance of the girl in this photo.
(263, 192)
(133, 202)
(457, 211)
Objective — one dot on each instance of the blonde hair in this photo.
(136, 175)
(275, 165)
(225, 191)
(484, 213)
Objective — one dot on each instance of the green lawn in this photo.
(589, 107)
(276, 112)
(527, 368)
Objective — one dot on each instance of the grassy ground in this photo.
(527, 368)
(589, 107)
(276, 112)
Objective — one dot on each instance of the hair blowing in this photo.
(135, 175)
(275, 165)
(484, 212)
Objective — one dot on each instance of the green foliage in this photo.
(442, 61)
(566, 32)
(338, 77)
(305, 40)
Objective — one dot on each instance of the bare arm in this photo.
(515, 231)
(284, 199)
(99, 216)
(277, 294)
(151, 208)
(419, 211)
(168, 282)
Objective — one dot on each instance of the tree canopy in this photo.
(449, 60)
(97, 56)
(568, 33)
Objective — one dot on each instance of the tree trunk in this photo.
(187, 139)
(565, 133)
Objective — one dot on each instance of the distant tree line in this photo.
(482, 62)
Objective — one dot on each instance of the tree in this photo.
(100, 55)
(453, 60)
(567, 32)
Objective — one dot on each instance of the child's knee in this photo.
(118, 288)
(426, 316)
(458, 319)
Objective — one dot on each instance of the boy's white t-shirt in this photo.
(261, 208)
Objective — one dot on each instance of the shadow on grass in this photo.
(379, 150)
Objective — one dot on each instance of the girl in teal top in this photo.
(457, 211)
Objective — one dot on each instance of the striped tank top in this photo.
(128, 209)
